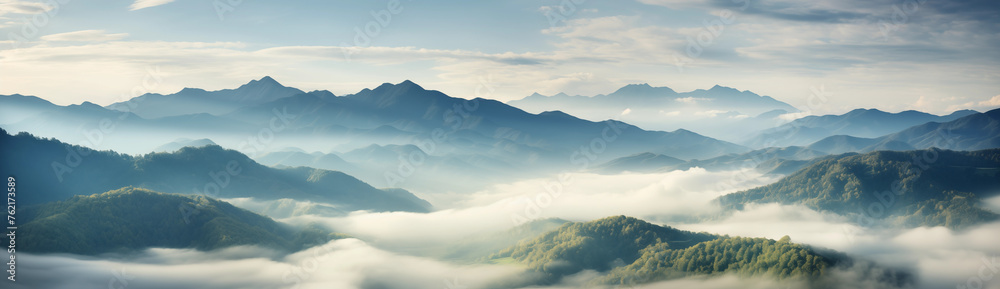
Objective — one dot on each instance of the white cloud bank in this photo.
(938, 257)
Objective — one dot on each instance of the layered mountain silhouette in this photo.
(57, 171)
(398, 114)
(644, 162)
(644, 96)
(194, 100)
(976, 131)
(472, 126)
(181, 143)
(720, 112)
(859, 123)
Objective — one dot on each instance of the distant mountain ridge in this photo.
(720, 112)
(861, 123)
(183, 142)
(388, 114)
(637, 96)
(194, 100)
(975, 131)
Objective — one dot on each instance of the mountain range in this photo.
(720, 112)
(861, 123)
(62, 171)
(195, 101)
(454, 135)
(975, 131)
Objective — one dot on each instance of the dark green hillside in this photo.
(132, 219)
(595, 245)
(745, 257)
(631, 251)
(933, 187)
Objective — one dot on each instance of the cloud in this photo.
(947, 105)
(23, 7)
(583, 197)
(677, 4)
(711, 113)
(347, 263)
(141, 4)
(286, 208)
(992, 102)
(992, 204)
(84, 36)
(851, 58)
(938, 257)
(691, 100)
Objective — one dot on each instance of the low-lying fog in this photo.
(407, 250)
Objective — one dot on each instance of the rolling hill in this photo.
(930, 187)
(131, 219)
(630, 251)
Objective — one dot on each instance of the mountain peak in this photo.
(408, 83)
(188, 90)
(266, 81)
(722, 88)
(556, 113)
(91, 105)
(863, 110)
(388, 91)
(643, 89)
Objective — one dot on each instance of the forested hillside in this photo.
(631, 249)
(132, 219)
(930, 187)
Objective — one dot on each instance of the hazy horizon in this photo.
(889, 55)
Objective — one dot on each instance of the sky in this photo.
(929, 55)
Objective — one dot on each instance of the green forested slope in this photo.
(914, 188)
(630, 249)
(131, 219)
(745, 257)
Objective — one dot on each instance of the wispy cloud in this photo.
(141, 4)
(22, 7)
(84, 36)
